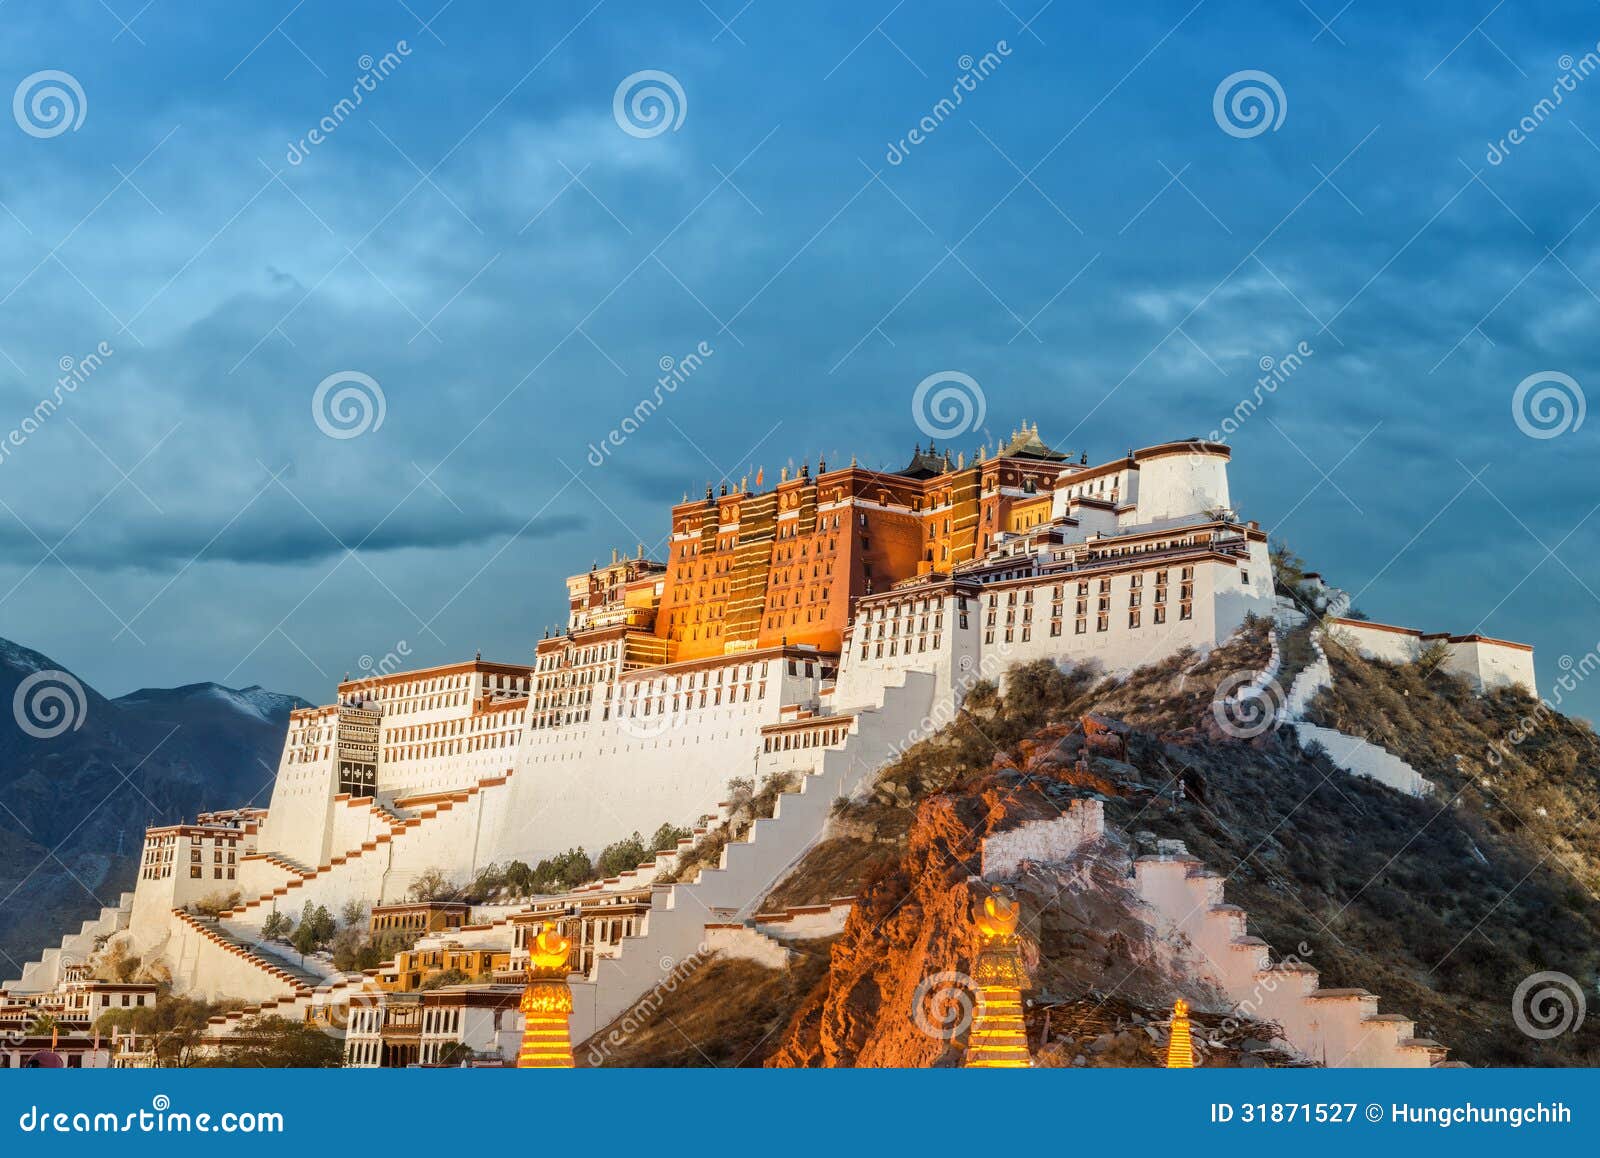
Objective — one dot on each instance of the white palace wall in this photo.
(590, 783)
(889, 637)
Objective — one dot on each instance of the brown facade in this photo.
(786, 566)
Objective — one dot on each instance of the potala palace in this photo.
(810, 631)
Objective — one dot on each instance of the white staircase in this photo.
(44, 974)
(1333, 1027)
(750, 868)
(1355, 755)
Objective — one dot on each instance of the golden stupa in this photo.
(1180, 1046)
(998, 1039)
(547, 1004)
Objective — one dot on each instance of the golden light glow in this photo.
(549, 950)
(999, 1039)
(547, 1004)
(1180, 1046)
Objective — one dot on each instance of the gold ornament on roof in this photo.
(549, 951)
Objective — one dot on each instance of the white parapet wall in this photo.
(806, 922)
(1043, 841)
(738, 942)
(1483, 662)
(1362, 758)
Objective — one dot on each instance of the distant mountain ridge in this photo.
(82, 775)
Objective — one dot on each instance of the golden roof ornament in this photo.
(547, 956)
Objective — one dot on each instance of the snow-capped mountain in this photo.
(82, 775)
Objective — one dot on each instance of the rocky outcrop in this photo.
(898, 989)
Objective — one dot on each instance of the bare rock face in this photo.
(898, 989)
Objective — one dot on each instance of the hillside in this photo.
(74, 806)
(1440, 905)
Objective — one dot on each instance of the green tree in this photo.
(277, 926)
(625, 854)
(278, 1043)
(667, 837)
(316, 929)
(557, 874)
(455, 1053)
(213, 903)
(354, 914)
(1035, 688)
(519, 878)
(983, 698)
(445, 977)
(431, 885)
(173, 1025)
(1288, 569)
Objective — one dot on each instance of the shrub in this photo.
(218, 902)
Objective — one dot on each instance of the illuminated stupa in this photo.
(1180, 1046)
(998, 1039)
(547, 1004)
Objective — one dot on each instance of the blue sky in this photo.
(483, 240)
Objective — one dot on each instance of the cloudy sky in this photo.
(1103, 248)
